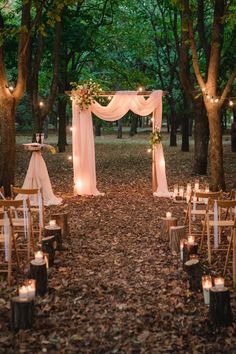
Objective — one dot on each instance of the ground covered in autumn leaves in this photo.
(116, 287)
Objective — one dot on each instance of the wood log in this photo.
(48, 246)
(165, 227)
(54, 231)
(194, 269)
(177, 233)
(38, 271)
(22, 313)
(189, 249)
(62, 221)
(220, 310)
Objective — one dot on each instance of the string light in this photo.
(140, 89)
(41, 104)
(149, 151)
(215, 99)
(109, 98)
(70, 158)
(11, 88)
(71, 128)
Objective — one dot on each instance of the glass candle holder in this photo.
(206, 286)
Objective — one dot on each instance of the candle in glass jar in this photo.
(219, 282)
(23, 291)
(168, 214)
(38, 256)
(52, 223)
(191, 240)
(182, 249)
(31, 288)
(206, 286)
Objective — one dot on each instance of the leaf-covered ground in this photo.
(116, 287)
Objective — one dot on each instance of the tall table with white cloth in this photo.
(37, 176)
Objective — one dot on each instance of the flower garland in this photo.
(155, 138)
(84, 94)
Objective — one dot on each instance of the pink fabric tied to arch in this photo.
(83, 139)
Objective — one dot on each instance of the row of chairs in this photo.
(19, 223)
(217, 219)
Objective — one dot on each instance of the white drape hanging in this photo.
(83, 139)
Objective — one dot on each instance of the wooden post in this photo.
(165, 227)
(62, 221)
(177, 233)
(22, 313)
(38, 271)
(48, 246)
(220, 310)
(194, 269)
(54, 231)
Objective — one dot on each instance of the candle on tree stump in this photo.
(219, 282)
(38, 256)
(206, 286)
(220, 310)
(168, 214)
(52, 223)
(23, 291)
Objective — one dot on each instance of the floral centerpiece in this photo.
(155, 138)
(84, 94)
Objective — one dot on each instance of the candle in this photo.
(207, 190)
(182, 249)
(38, 256)
(52, 223)
(191, 240)
(196, 185)
(168, 214)
(31, 288)
(219, 282)
(206, 286)
(23, 291)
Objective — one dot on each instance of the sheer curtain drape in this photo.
(83, 139)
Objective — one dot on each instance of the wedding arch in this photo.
(83, 139)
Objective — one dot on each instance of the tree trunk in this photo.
(173, 125)
(216, 149)
(7, 141)
(201, 138)
(119, 131)
(185, 124)
(62, 125)
(133, 126)
(97, 126)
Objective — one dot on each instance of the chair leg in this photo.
(208, 243)
(203, 234)
(228, 253)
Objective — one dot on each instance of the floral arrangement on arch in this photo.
(84, 94)
(155, 138)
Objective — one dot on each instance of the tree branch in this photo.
(228, 86)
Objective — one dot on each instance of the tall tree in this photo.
(30, 13)
(213, 95)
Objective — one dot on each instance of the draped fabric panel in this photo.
(83, 139)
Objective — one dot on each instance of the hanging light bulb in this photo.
(203, 89)
(208, 96)
(231, 103)
(212, 100)
(216, 100)
(149, 150)
(70, 158)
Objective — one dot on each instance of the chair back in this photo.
(211, 195)
(2, 194)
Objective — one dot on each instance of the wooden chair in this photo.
(22, 223)
(6, 250)
(221, 222)
(2, 194)
(35, 195)
(197, 208)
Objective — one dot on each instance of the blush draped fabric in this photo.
(83, 139)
